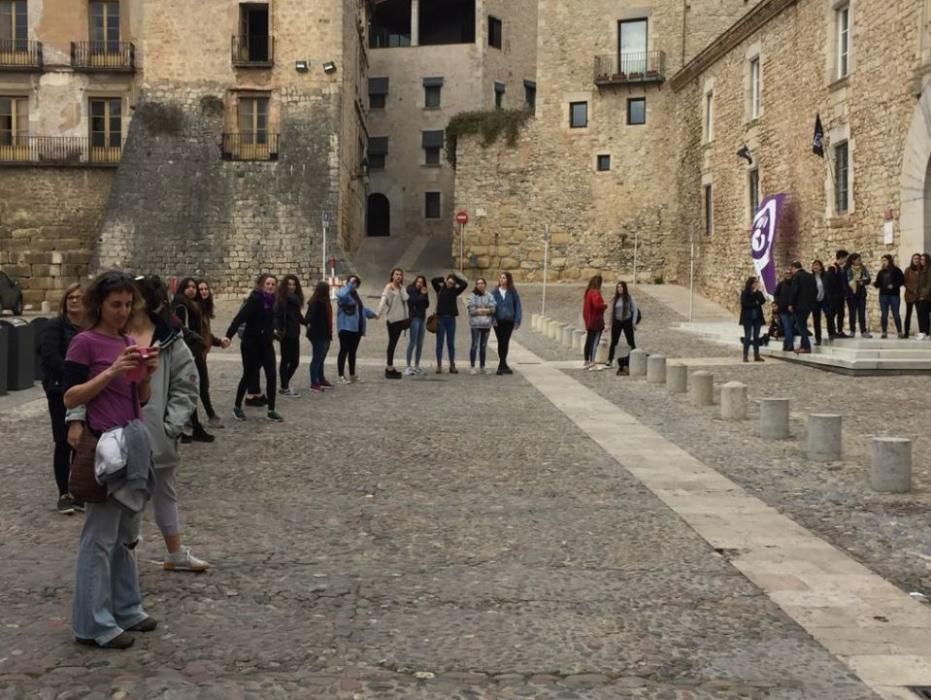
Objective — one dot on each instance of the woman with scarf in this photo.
(350, 322)
(257, 316)
(188, 310)
(624, 317)
(858, 281)
(288, 321)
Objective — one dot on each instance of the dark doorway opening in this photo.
(378, 215)
(447, 22)
(390, 25)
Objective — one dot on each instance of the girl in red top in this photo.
(593, 312)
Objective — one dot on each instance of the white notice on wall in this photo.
(887, 232)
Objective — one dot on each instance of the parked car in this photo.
(11, 296)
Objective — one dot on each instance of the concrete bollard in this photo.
(677, 379)
(637, 363)
(601, 352)
(656, 369)
(46, 307)
(534, 319)
(824, 437)
(551, 328)
(891, 471)
(734, 401)
(567, 336)
(557, 331)
(701, 388)
(578, 340)
(774, 419)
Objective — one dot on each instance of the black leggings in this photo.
(616, 328)
(201, 362)
(257, 355)
(503, 331)
(348, 344)
(63, 452)
(290, 357)
(909, 307)
(394, 334)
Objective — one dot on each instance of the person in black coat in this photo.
(447, 291)
(288, 322)
(783, 297)
(752, 302)
(187, 309)
(835, 290)
(823, 306)
(257, 316)
(53, 347)
(889, 281)
(319, 322)
(804, 301)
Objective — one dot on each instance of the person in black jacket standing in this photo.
(53, 346)
(258, 349)
(447, 290)
(824, 304)
(782, 297)
(752, 303)
(889, 281)
(835, 290)
(804, 301)
(288, 321)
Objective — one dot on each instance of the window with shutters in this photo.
(106, 128)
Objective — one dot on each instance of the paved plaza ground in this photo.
(531, 536)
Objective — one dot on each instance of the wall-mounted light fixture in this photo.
(302, 66)
(744, 153)
(329, 67)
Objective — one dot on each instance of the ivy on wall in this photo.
(489, 125)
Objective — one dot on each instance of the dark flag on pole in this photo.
(817, 141)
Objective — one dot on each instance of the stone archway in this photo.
(915, 204)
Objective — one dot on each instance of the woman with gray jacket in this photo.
(481, 305)
(393, 306)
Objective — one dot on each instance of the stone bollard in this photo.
(891, 471)
(567, 336)
(774, 419)
(46, 307)
(637, 363)
(656, 369)
(551, 328)
(557, 331)
(701, 388)
(824, 437)
(534, 321)
(578, 340)
(734, 401)
(677, 379)
(601, 352)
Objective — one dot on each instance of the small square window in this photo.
(604, 162)
(376, 162)
(432, 205)
(494, 32)
(578, 115)
(432, 96)
(432, 155)
(376, 101)
(637, 110)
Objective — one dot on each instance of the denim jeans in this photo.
(320, 349)
(446, 330)
(592, 339)
(801, 328)
(479, 346)
(752, 336)
(415, 337)
(788, 327)
(889, 302)
(107, 600)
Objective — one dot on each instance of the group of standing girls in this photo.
(625, 315)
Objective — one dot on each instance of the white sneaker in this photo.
(343, 380)
(473, 371)
(409, 372)
(291, 393)
(183, 560)
(921, 336)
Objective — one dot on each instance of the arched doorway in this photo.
(378, 215)
(915, 193)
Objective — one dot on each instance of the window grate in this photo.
(922, 691)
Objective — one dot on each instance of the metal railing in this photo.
(103, 55)
(20, 53)
(56, 150)
(253, 50)
(630, 67)
(259, 145)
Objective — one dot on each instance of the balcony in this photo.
(56, 150)
(633, 68)
(253, 51)
(103, 56)
(20, 55)
(255, 146)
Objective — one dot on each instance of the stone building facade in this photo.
(431, 60)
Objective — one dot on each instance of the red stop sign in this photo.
(462, 218)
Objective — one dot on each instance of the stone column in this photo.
(891, 470)
(774, 419)
(701, 389)
(637, 363)
(824, 437)
(677, 378)
(734, 401)
(656, 369)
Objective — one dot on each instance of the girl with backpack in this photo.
(481, 306)
(351, 316)
(393, 305)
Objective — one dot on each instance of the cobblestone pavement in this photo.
(448, 537)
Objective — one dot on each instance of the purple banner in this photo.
(763, 240)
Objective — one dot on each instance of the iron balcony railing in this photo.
(103, 55)
(20, 54)
(258, 145)
(253, 51)
(630, 67)
(55, 150)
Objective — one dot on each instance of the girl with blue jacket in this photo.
(350, 323)
(508, 315)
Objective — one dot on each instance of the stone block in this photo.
(891, 468)
(774, 419)
(824, 437)
(734, 401)
(656, 369)
(701, 388)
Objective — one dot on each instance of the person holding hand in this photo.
(447, 291)
(481, 305)
(351, 316)
(508, 315)
(393, 306)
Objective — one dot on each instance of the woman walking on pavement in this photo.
(447, 291)
(319, 322)
(593, 313)
(752, 303)
(624, 317)
(418, 300)
(110, 374)
(189, 312)
(288, 321)
(258, 349)
(912, 274)
(208, 313)
(481, 306)
(823, 304)
(889, 282)
(351, 316)
(858, 282)
(508, 317)
(53, 346)
(393, 306)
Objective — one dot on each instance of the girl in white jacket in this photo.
(393, 306)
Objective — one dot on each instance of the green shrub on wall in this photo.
(488, 125)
